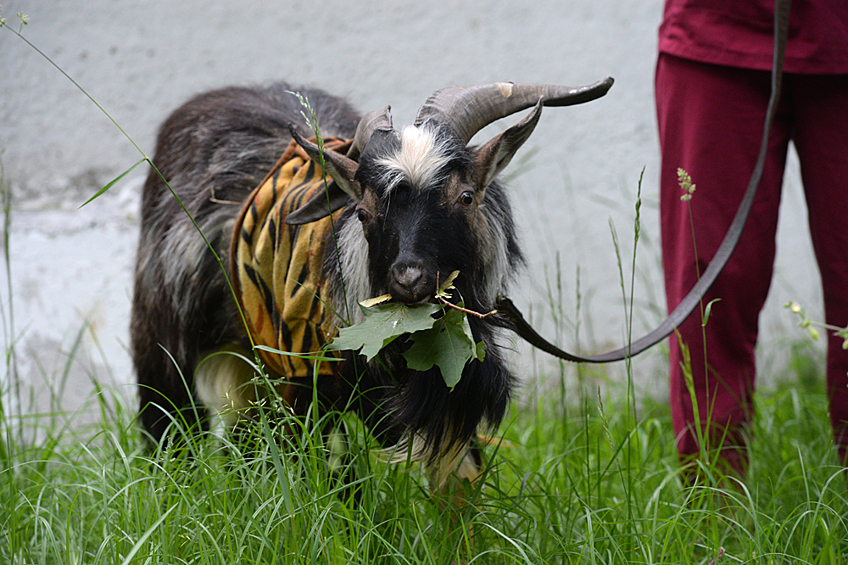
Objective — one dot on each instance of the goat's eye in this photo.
(466, 198)
(362, 215)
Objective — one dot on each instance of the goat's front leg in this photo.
(456, 472)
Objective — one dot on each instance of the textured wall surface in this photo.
(71, 269)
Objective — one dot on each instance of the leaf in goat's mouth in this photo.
(376, 300)
(383, 324)
(445, 342)
(448, 344)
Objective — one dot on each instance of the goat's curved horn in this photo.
(467, 110)
(370, 122)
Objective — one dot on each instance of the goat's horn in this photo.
(467, 110)
(370, 122)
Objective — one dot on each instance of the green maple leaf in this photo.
(446, 342)
(448, 345)
(383, 324)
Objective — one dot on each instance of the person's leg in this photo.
(820, 107)
(710, 124)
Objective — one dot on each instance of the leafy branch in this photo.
(439, 332)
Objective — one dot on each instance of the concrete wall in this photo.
(140, 59)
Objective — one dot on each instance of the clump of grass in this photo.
(556, 490)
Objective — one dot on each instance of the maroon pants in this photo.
(710, 124)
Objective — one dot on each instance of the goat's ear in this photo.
(340, 168)
(321, 205)
(339, 193)
(496, 154)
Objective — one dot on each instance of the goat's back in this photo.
(213, 151)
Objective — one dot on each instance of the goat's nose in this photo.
(410, 282)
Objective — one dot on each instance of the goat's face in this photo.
(419, 210)
(422, 204)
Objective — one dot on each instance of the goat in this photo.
(409, 207)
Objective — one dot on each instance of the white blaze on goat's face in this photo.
(421, 160)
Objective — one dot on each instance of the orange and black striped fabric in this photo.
(276, 268)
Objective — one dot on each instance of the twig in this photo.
(442, 296)
(466, 310)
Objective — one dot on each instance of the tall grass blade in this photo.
(112, 183)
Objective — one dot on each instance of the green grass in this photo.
(583, 482)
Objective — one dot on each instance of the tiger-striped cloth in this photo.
(276, 268)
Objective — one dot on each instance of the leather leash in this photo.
(514, 320)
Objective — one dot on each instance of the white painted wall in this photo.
(140, 59)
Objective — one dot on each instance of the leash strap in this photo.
(514, 320)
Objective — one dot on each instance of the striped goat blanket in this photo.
(277, 269)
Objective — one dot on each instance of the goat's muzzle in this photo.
(411, 281)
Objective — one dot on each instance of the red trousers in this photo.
(710, 124)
